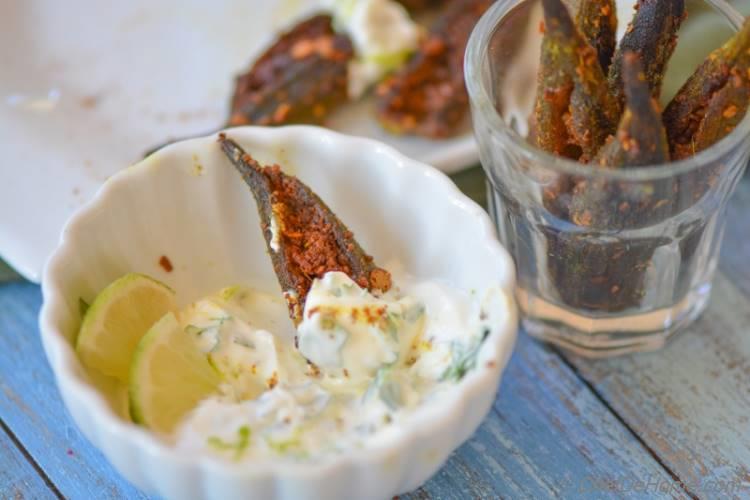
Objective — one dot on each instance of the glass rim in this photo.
(476, 55)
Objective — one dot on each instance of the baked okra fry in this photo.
(724, 111)
(428, 96)
(597, 20)
(299, 79)
(640, 140)
(591, 268)
(652, 34)
(574, 112)
(304, 237)
(700, 105)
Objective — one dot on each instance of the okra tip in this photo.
(241, 160)
(557, 17)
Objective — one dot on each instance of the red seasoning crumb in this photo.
(166, 264)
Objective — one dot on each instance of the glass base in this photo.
(612, 334)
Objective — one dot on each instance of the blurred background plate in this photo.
(87, 87)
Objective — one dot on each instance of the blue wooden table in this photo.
(671, 424)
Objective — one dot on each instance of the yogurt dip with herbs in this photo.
(364, 363)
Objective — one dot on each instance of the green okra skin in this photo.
(640, 140)
(725, 110)
(300, 78)
(306, 208)
(652, 34)
(597, 20)
(574, 113)
(695, 117)
(592, 269)
(596, 273)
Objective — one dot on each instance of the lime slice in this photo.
(169, 376)
(117, 319)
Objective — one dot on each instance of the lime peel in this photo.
(169, 376)
(116, 320)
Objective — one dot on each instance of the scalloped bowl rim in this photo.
(431, 418)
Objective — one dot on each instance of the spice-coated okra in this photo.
(652, 34)
(640, 140)
(428, 95)
(304, 237)
(299, 79)
(574, 112)
(713, 99)
(597, 20)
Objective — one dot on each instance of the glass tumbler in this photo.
(631, 263)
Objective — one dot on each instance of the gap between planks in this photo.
(688, 403)
(26, 455)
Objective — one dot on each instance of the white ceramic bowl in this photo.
(187, 202)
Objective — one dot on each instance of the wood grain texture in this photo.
(548, 436)
(690, 402)
(31, 408)
(18, 478)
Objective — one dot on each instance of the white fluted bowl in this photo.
(188, 203)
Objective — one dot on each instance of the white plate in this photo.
(87, 87)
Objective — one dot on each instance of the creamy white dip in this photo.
(365, 362)
(383, 36)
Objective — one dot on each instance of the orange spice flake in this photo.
(730, 111)
(273, 380)
(166, 264)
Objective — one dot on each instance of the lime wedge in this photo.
(117, 319)
(169, 376)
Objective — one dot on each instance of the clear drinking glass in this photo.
(607, 285)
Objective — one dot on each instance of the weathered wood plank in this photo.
(31, 408)
(690, 402)
(548, 437)
(18, 478)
